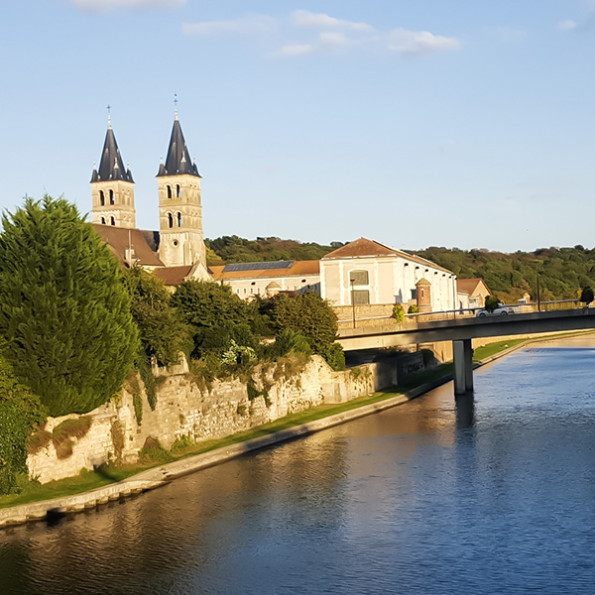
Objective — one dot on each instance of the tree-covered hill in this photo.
(235, 249)
(562, 271)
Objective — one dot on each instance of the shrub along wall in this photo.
(187, 409)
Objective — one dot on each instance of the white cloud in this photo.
(335, 38)
(105, 5)
(303, 18)
(416, 43)
(296, 49)
(248, 25)
(567, 25)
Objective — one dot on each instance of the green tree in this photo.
(491, 303)
(307, 314)
(587, 295)
(215, 316)
(163, 334)
(20, 411)
(64, 309)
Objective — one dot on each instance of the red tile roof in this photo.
(364, 247)
(470, 286)
(120, 239)
(173, 275)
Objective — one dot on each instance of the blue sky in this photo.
(460, 123)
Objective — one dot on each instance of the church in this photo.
(175, 252)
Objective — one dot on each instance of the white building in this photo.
(367, 272)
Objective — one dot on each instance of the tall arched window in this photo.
(179, 216)
(101, 198)
(178, 191)
(168, 191)
(103, 220)
(170, 220)
(113, 221)
(111, 197)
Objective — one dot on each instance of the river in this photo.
(491, 494)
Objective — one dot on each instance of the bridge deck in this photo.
(409, 332)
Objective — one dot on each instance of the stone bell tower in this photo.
(180, 212)
(112, 186)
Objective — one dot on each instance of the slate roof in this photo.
(111, 166)
(144, 243)
(178, 158)
(298, 268)
(363, 247)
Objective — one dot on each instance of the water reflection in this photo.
(487, 493)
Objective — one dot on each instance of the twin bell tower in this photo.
(181, 241)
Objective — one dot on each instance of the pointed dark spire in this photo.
(111, 166)
(178, 158)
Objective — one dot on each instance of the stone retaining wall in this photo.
(186, 409)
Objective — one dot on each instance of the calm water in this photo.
(492, 495)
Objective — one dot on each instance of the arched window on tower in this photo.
(113, 221)
(179, 217)
(168, 191)
(170, 220)
(111, 197)
(103, 221)
(178, 191)
(101, 198)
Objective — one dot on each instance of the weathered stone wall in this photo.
(184, 408)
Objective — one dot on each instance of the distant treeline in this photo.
(235, 249)
(562, 271)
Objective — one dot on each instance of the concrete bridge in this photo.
(462, 330)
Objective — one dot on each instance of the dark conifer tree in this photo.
(64, 309)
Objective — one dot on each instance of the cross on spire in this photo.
(175, 106)
(109, 115)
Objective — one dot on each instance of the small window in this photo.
(101, 198)
(414, 294)
(111, 197)
(253, 282)
(303, 280)
(359, 278)
(103, 220)
(168, 191)
(170, 220)
(178, 191)
(179, 217)
(360, 297)
(113, 221)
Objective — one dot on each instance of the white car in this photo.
(501, 310)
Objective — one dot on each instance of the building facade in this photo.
(366, 272)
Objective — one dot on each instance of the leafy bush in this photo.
(413, 309)
(64, 310)
(163, 334)
(20, 411)
(491, 303)
(288, 341)
(587, 295)
(215, 316)
(334, 356)
(398, 312)
(306, 314)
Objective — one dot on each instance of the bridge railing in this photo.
(383, 320)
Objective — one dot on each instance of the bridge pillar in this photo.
(463, 364)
